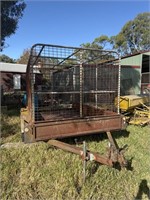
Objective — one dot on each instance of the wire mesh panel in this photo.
(70, 83)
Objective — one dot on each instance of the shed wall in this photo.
(131, 74)
(130, 80)
(7, 83)
(133, 60)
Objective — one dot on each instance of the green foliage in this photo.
(102, 41)
(134, 36)
(38, 171)
(96, 56)
(119, 43)
(11, 12)
(91, 45)
(24, 57)
(7, 59)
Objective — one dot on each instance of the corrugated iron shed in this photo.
(135, 73)
(135, 59)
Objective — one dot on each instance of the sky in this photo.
(71, 23)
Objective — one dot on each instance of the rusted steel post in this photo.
(112, 140)
(84, 161)
(66, 147)
(101, 159)
(115, 153)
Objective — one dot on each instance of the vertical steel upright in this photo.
(81, 85)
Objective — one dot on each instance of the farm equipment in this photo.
(141, 116)
(135, 108)
(70, 93)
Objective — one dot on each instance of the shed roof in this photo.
(138, 53)
(136, 59)
(12, 67)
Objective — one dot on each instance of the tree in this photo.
(119, 44)
(24, 57)
(7, 59)
(102, 41)
(134, 36)
(89, 55)
(11, 12)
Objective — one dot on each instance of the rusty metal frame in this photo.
(82, 125)
(30, 88)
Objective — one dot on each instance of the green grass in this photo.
(10, 126)
(38, 171)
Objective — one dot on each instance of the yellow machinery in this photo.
(141, 116)
(135, 106)
(130, 102)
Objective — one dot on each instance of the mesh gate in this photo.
(69, 83)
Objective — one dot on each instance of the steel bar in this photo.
(119, 82)
(76, 92)
(66, 147)
(32, 96)
(52, 57)
(70, 47)
(112, 141)
(37, 56)
(115, 153)
(84, 161)
(96, 71)
(68, 57)
(81, 86)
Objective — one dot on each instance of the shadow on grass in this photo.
(8, 129)
(128, 166)
(143, 189)
(11, 112)
(96, 137)
(8, 125)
